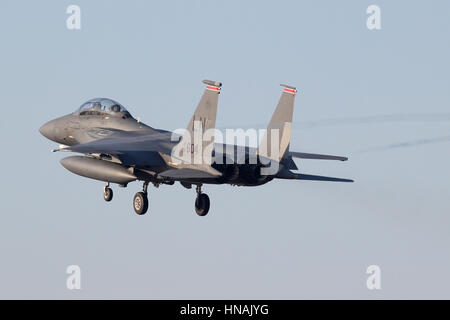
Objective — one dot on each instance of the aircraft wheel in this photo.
(140, 203)
(108, 194)
(202, 204)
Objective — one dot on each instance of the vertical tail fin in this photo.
(275, 142)
(195, 148)
(207, 107)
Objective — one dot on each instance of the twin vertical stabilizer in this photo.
(275, 141)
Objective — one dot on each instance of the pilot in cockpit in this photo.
(115, 108)
(102, 106)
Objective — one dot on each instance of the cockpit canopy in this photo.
(102, 106)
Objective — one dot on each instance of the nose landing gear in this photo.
(202, 202)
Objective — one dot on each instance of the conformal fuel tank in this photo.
(98, 169)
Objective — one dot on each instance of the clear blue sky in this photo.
(286, 239)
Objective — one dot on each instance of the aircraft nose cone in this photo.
(47, 130)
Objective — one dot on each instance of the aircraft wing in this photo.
(123, 141)
(316, 156)
(132, 148)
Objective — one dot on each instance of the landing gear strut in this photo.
(140, 201)
(201, 202)
(107, 193)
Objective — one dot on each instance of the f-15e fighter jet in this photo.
(117, 148)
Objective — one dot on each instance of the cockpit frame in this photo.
(102, 107)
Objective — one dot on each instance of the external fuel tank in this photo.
(98, 169)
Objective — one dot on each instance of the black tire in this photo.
(202, 204)
(108, 194)
(140, 203)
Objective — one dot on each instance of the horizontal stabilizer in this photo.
(287, 174)
(303, 155)
(300, 176)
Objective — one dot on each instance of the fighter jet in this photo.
(117, 148)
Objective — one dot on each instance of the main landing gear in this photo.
(107, 193)
(140, 201)
(201, 202)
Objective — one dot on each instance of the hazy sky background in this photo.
(286, 239)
